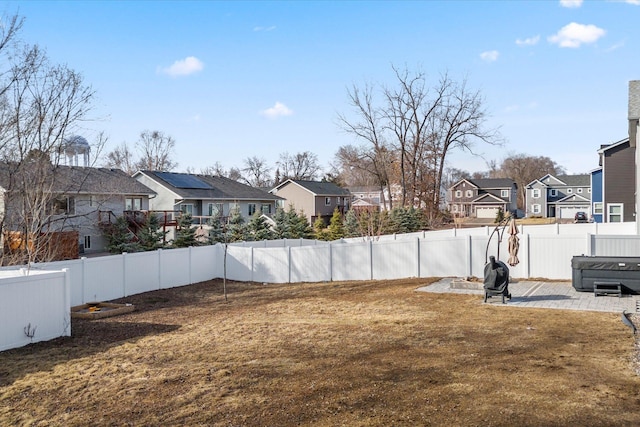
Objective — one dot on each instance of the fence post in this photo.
(590, 245)
(370, 259)
(469, 256)
(124, 274)
(289, 263)
(527, 255)
(418, 256)
(159, 250)
(84, 279)
(190, 265)
(330, 262)
(67, 302)
(251, 264)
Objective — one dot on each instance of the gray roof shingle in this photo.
(321, 188)
(220, 188)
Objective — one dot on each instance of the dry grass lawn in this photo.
(329, 354)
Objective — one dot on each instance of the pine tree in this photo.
(351, 224)
(150, 236)
(336, 228)
(319, 230)
(216, 230)
(282, 230)
(185, 234)
(259, 229)
(298, 225)
(236, 228)
(120, 238)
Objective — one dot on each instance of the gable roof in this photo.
(488, 198)
(80, 180)
(318, 188)
(204, 187)
(606, 147)
(573, 198)
(492, 182)
(582, 180)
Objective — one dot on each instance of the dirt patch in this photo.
(351, 353)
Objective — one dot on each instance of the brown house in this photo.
(313, 198)
(618, 181)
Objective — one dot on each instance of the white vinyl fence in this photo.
(34, 307)
(545, 252)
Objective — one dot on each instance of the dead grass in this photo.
(353, 354)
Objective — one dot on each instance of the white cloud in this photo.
(574, 35)
(528, 41)
(572, 4)
(271, 28)
(633, 2)
(490, 55)
(278, 110)
(183, 67)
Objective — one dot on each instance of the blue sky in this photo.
(230, 80)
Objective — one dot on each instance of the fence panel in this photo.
(351, 261)
(395, 259)
(140, 272)
(37, 305)
(444, 257)
(271, 265)
(239, 264)
(615, 245)
(175, 267)
(204, 265)
(103, 278)
(75, 270)
(311, 263)
(550, 256)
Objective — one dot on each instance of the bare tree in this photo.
(369, 129)
(121, 158)
(256, 172)
(40, 105)
(523, 169)
(303, 166)
(156, 151)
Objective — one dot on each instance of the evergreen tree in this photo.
(351, 225)
(236, 228)
(185, 234)
(319, 230)
(120, 238)
(336, 228)
(282, 230)
(150, 236)
(216, 230)
(298, 225)
(259, 228)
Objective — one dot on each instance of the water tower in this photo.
(76, 151)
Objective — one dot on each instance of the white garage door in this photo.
(570, 212)
(486, 212)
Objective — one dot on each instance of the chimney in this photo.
(634, 110)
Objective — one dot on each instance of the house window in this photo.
(252, 208)
(469, 193)
(535, 193)
(536, 209)
(338, 201)
(215, 209)
(504, 193)
(187, 208)
(265, 209)
(133, 203)
(455, 208)
(64, 206)
(458, 193)
(579, 190)
(327, 201)
(93, 201)
(553, 192)
(614, 212)
(597, 208)
(87, 242)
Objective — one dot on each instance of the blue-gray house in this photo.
(596, 195)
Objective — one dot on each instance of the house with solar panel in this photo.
(203, 196)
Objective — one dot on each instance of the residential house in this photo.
(68, 198)
(558, 197)
(596, 211)
(482, 198)
(618, 188)
(314, 198)
(367, 198)
(204, 196)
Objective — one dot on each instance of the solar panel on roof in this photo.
(184, 181)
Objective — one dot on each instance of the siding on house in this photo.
(619, 178)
